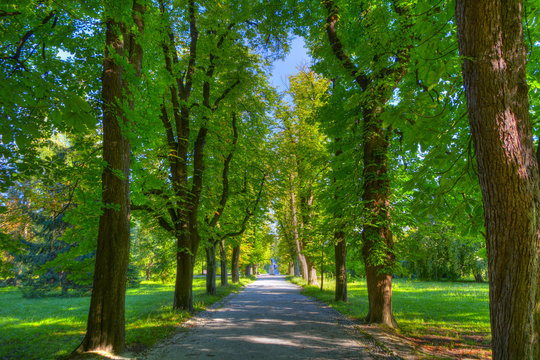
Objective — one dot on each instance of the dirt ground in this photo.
(271, 319)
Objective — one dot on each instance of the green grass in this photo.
(49, 328)
(452, 311)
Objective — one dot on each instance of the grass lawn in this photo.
(51, 327)
(433, 314)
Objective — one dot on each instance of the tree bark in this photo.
(106, 318)
(183, 295)
(490, 39)
(377, 237)
(294, 224)
(223, 263)
(291, 268)
(377, 88)
(211, 269)
(341, 268)
(235, 264)
(312, 272)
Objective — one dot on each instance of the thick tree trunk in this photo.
(291, 268)
(223, 263)
(235, 264)
(377, 239)
(106, 318)
(183, 293)
(490, 38)
(312, 272)
(248, 270)
(341, 268)
(211, 269)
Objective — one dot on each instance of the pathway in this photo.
(269, 319)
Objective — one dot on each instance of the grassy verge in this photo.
(49, 328)
(435, 315)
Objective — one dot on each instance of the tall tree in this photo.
(106, 320)
(494, 75)
(376, 75)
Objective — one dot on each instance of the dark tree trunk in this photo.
(377, 239)
(490, 38)
(248, 270)
(235, 264)
(377, 88)
(341, 268)
(478, 277)
(223, 263)
(183, 294)
(106, 319)
(211, 269)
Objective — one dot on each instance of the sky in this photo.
(282, 69)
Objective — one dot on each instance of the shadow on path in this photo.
(269, 319)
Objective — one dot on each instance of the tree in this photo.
(106, 321)
(494, 76)
(302, 144)
(376, 71)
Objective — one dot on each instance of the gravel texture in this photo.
(269, 319)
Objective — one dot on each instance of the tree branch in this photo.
(27, 35)
(248, 213)
(161, 220)
(337, 46)
(224, 94)
(225, 177)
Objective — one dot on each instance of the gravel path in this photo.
(269, 319)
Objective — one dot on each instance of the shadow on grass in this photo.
(49, 328)
(447, 317)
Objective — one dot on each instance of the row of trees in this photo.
(181, 119)
(398, 125)
(370, 148)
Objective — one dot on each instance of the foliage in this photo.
(435, 252)
(448, 314)
(50, 328)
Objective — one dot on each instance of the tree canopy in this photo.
(139, 138)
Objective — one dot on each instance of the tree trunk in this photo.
(106, 319)
(235, 264)
(291, 268)
(248, 270)
(183, 293)
(377, 239)
(211, 269)
(223, 263)
(341, 268)
(490, 38)
(294, 223)
(296, 267)
(312, 272)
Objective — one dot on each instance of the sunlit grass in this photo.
(51, 327)
(458, 311)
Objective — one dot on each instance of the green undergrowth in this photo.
(52, 327)
(449, 312)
